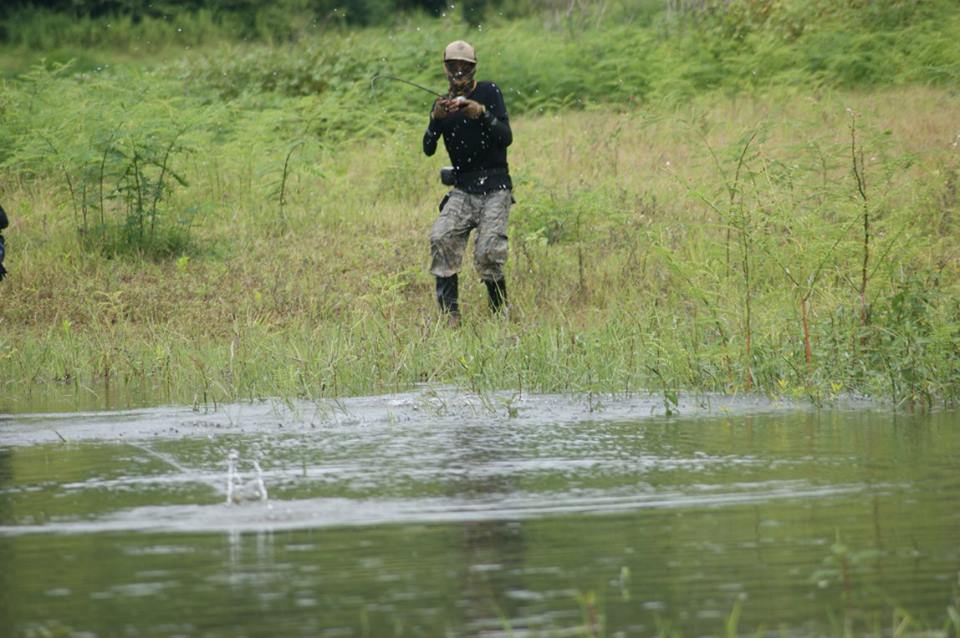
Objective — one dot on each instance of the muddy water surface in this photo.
(444, 514)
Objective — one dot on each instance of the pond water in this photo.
(438, 513)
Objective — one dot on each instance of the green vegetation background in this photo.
(732, 196)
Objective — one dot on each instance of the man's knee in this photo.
(491, 255)
(445, 246)
(446, 252)
(442, 234)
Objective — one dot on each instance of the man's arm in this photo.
(497, 121)
(430, 138)
(434, 129)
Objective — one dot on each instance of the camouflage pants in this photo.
(462, 213)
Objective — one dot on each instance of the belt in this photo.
(488, 172)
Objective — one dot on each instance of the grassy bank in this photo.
(632, 265)
(203, 228)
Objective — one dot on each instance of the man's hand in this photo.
(472, 108)
(443, 107)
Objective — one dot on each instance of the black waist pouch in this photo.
(448, 176)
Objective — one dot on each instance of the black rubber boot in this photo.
(447, 293)
(497, 293)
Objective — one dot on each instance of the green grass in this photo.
(671, 231)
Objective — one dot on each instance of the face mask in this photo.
(460, 76)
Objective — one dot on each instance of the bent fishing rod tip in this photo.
(379, 76)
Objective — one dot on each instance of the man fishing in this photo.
(473, 121)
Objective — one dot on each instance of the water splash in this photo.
(240, 491)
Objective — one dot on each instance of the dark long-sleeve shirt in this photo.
(477, 148)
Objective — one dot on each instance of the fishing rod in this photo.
(447, 173)
(396, 79)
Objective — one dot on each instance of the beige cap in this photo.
(460, 50)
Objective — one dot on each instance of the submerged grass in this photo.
(849, 623)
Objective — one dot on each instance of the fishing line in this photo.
(163, 457)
